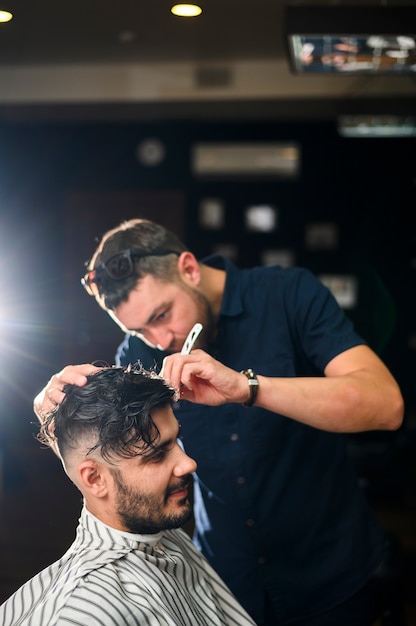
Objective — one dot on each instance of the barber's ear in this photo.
(93, 477)
(189, 269)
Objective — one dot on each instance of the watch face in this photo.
(150, 152)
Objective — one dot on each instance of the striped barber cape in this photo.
(113, 578)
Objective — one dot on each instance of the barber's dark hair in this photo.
(113, 410)
(136, 234)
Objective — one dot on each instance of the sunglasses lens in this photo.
(90, 283)
(119, 266)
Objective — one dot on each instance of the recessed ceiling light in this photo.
(186, 10)
(5, 16)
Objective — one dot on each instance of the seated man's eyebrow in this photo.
(161, 446)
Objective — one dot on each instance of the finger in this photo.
(73, 375)
(56, 395)
(171, 371)
(52, 394)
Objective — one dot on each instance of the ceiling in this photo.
(132, 59)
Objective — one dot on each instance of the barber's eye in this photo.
(162, 315)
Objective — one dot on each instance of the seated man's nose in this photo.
(185, 465)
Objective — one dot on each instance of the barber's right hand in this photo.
(52, 394)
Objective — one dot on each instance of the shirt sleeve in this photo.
(323, 328)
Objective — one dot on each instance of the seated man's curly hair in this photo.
(112, 412)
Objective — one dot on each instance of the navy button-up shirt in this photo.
(278, 510)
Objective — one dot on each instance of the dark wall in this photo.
(47, 174)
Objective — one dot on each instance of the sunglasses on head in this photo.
(117, 267)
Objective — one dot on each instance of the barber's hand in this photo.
(52, 394)
(198, 377)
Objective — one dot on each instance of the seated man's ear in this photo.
(93, 478)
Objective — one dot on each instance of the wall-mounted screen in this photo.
(377, 126)
(350, 40)
(348, 54)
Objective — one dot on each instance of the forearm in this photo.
(348, 403)
(357, 392)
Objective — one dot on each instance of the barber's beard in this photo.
(206, 318)
(144, 514)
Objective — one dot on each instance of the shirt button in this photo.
(249, 522)
(240, 480)
(261, 560)
(234, 437)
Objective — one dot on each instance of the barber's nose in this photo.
(162, 338)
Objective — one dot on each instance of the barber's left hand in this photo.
(200, 378)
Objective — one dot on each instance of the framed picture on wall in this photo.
(255, 160)
(321, 236)
(211, 213)
(284, 258)
(261, 218)
(227, 250)
(344, 288)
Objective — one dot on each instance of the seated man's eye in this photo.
(156, 457)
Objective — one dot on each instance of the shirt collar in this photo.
(232, 302)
